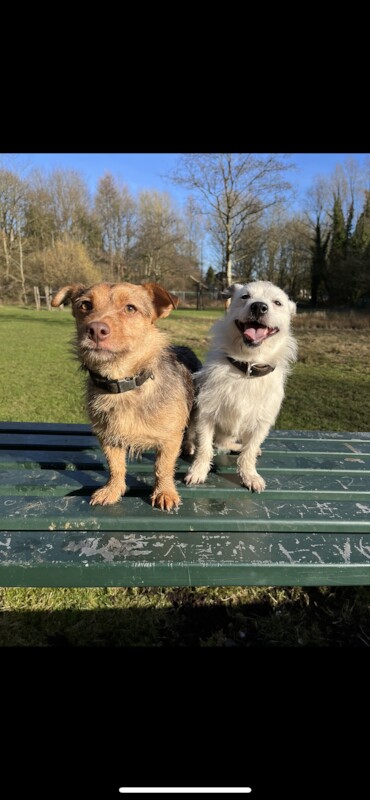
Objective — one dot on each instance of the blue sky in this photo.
(144, 170)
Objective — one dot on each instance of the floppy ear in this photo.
(163, 302)
(292, 308)
(68, 293)
(230, 290)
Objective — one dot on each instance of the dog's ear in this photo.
(68, 293)
(230, 290)
(292, 308)
(163, 301)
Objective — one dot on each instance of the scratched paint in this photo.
(318, 484)
(364, 509)
(345, 551)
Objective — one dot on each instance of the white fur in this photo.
(233, 410)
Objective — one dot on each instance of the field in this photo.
(328, 390)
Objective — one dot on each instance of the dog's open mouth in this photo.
(254, 332)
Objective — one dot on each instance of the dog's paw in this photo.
(166, 501)
(253, 481)
(106, 496)
(259, 452)
(196, 474)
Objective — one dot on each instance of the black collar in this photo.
(118, 387)
(252, 370)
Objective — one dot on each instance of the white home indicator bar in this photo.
(185, 790)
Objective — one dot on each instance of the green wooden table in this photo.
(310, 527)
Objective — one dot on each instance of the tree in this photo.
(231, 189)
(65, 262)
(157, 252)
(360, 253)
(12, 218)
(210, 277)
(193, 237)
(339, 279)
(340, 236)
(319, 247)
(116, 214)
(58, 207)
(318, 228)
(361, 236)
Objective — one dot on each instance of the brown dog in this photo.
(140, 390)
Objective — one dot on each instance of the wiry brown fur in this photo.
(153, 415)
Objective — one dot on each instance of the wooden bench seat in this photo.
(310, 527)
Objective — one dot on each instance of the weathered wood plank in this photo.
(178, 559)
(26, 441)
(78, 429)
(310, 527)
(287, 484)
(94, 459)
(44, 427)
(247, 513)
(58, 459)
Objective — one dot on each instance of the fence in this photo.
(189, 298)
(47, 297)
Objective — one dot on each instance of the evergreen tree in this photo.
(319, 249)
(349, 223)
(361, 236)
(337, 282)
(210, 277)
(360, 253)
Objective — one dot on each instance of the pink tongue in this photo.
(255, 333)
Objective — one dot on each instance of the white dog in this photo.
(241, 385)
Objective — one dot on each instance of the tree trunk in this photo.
(6, 253)
(24, 295)
(229, 261)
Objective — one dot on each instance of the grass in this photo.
(328, 390)
(43, 383)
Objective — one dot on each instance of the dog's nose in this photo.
(259, 308)
(98, 331)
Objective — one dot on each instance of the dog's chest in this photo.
(229, 396)
(120, 419)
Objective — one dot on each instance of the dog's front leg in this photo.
(204, 452)
(165, 495)
(247, 459)
(188, 443)
(116, 485)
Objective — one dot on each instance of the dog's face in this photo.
(259, 311)
(113, 319)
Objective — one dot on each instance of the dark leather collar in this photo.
(124, 385)
(251, 370)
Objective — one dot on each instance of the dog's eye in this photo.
(245, 296)
(277, 303)
(130, 309)
(85, 305)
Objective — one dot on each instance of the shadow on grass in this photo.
(337, 618)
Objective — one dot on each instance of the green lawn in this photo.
(328, 389)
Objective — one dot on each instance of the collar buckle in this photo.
(251, 370)
(120, 386)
